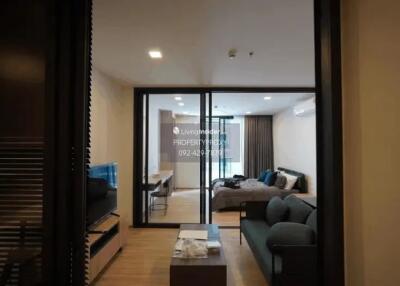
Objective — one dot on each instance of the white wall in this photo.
(111, 134)
(295, 144)
(154, 136)
(187, 174)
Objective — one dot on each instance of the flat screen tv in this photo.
(101, 197)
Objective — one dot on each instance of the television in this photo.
(101, 195)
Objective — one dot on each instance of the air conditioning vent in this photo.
(305, 108)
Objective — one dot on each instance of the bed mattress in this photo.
(249, 190)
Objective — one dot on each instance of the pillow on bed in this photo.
(290, 181)
(280, 181)
(263, 174)
(270, 178)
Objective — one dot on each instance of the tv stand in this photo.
(104, 241)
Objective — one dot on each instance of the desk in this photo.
(154, 182)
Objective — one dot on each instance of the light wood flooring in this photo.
(144, 261)
(183, 207)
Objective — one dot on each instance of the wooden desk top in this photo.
(155, 180)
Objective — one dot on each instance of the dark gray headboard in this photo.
(301, 183)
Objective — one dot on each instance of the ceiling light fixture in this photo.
(267, 98)
(178, 98)
(181, 104)
(248, 112)
(185, 112)
(232, 53)
(155, 54)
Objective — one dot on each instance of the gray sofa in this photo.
(282, 235)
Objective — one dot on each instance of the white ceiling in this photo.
(229, 103)
(195, 36)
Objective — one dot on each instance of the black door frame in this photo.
(69, 56)
(141, 115)
(141, 95)
(67, 141)
(329, 142)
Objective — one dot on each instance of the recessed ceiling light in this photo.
(181, 104)
(267, 98)
(248, 112)
(155, 54)
(178, 98)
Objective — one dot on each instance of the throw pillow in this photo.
(270, 179)
(280, 181)
(312, 220)
(290, 181)
(276, 210)
(262, 176)
(298, 209)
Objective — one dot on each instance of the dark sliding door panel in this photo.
(44, 108)
(67, 141)
(22, 96)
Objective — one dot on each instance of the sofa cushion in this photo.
(256, 232)
(290, 233)
(312, 220)
(276, 210)
(298, 209)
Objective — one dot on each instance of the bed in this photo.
(253, 190)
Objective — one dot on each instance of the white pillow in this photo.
(290, 181)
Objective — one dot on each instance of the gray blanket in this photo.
(250, 190)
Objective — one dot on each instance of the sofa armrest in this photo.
(298, 264)
(253, 209)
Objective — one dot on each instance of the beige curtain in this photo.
(258, 145)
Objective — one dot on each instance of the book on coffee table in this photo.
(194, 234)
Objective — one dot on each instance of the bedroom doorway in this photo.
(173, 158)
(192, 146)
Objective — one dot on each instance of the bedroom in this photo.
(251, 133)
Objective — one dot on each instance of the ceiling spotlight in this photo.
(178, 98)
(267, 98)
(155, 54)
(181, 104)
(248, 112)
(232, 53)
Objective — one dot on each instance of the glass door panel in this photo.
(174, 159)
(228, 126)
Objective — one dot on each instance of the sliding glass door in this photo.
(174, 158)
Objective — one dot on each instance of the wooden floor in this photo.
(145, 259)
(184, 206)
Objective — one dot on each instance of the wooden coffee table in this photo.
(210, 271)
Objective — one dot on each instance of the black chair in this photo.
(164, 192)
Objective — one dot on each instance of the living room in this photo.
(69, 188)
(127, 101)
